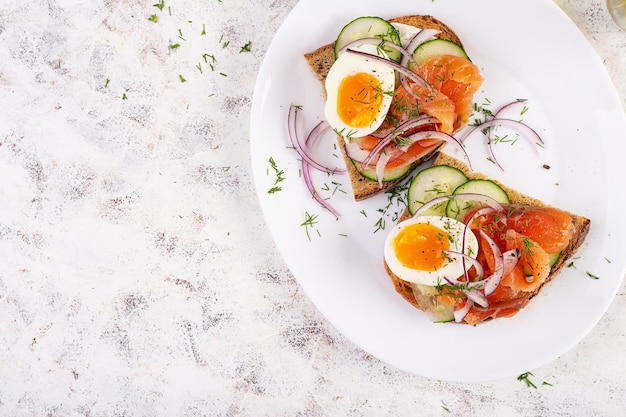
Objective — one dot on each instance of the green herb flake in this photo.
(279, 176)
(246, 47)
(106, 83)
(445, 406)
(160, 5)
(182, 79)
(309, 222)
(223, 42)
(153, 18)
(592, 276)
(526, 378)
(175, 46)
(124, 96)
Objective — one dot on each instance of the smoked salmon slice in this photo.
(455, 77)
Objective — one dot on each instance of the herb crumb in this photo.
(526, 378)
(246, 47)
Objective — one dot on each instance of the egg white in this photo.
(451, 270)
(406, 32)
(349, 64)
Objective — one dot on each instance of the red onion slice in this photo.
(377, 41)
(401, 69)
(507, 106)
(416, 137)
(492, 282)
(383, 160)
(459, 314)
(477, 297)
(436, 134)
(481, 198)
(480, 271)
(306, 173)
(299, 143)
(302, 147)
(316, 134)
(413, 123)
(526, 131)
(421, 37)
(511, 257)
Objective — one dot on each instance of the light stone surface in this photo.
(138, 277)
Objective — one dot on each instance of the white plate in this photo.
(573, 105)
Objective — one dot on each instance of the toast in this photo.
(321, 60)
(580, 226)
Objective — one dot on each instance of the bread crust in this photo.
(580, 225)
(321, 60)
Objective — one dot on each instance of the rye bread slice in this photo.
(580, 225)
(320, 61)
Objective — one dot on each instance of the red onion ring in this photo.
(401, 69)
(528, 132)
(409, 124)
(299, 143)
(307, 162)
(383, 160)
(316, 133)
(492, 282)
(436, 134)
(480, 271)
(481, 212)
(376, 41)
(481, 198)
(422, 36)
(306, 173)
(459, 314)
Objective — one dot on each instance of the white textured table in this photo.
(137, 276)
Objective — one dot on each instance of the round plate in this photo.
(571, 103)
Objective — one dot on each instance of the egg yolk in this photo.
(420, 246)
(359, 99)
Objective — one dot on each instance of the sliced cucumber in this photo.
(369, 27)
(436, 47)
(554, 258)
(388, 175)
(433, 182)
(457, 209)
(426, 297)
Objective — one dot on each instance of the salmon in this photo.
(454, 81)
(457, 78)
(537, 232)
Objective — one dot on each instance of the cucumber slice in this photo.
(388, 175)
(433, 182)
(458, 209)
(437, 47)
(554, 258)
(369, 27)
(426, 297)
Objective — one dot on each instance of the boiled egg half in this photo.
(416, 250)
(359, 91)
